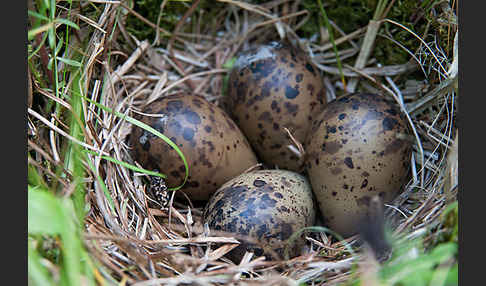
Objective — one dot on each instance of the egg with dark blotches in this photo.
(358, 149)
(213, 145)
(267, 206)
(270, 88)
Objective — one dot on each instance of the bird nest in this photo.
(142, 240)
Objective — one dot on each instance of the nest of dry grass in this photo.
(141, 243)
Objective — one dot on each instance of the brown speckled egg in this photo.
(266, 205)
(355, 151)
(271, 87)
(213, 145)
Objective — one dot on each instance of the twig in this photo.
(365, 51)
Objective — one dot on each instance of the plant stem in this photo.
(331, 38)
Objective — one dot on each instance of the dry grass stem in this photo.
(141, 241)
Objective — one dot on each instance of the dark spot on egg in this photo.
(348, 161)
(332, 147)
(299, 77)
(266, 117)
(262, 69)
(174, 106)
(291, 108)
(364, 184)
(331, 129)
(291, 92)
(258, 183)
(274, 105)
(192, 117)
(188, 134)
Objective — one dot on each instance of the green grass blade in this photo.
(67, 23)
(151, 130)
(32, 33)
(37, 15)
(33, 177)
(127, 165)
(331, 38)
(75, 155)
(103, 186)
(37, 273)
(44, 212)
(72, 63)
(54, 216)
(72, 246)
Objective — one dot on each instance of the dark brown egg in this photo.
(356, 150)
(265, 205)
(270, 88)
(213, 145)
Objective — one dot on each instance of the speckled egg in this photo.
(271, 87)
(266, 205)
(213, 145)
(357, 149)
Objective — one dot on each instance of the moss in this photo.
(351, 15)
(150, 10)
(173, 11)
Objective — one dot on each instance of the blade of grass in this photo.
(72, 63)
(34, 178)
(368, 41)
(33, 32)
(127, 165)
(103, 186)
(43, 211)
(51, 215)
(74, 156)
(37, 273)
(331, 38)
(151, 130)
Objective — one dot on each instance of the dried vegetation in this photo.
(138, 241)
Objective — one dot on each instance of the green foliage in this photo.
(410, 266)
(172, 13)
(351, 15)
(54, 216)
(55, 223)
(414, 263)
